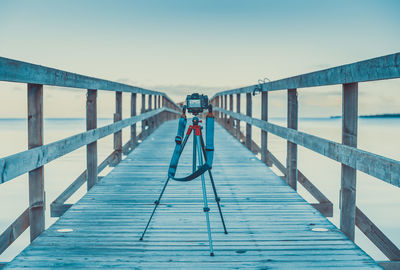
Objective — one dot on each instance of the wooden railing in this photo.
(160, 108)
(347, 153)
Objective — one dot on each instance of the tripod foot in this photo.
(226, 232)
(141, 239)
(212, 254)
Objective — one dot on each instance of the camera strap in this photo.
(209, 147)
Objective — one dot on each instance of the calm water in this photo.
(377, 199)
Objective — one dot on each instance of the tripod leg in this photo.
(206, 209)
(156, 203)
(217, 199)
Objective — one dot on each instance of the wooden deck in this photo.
(270, 225)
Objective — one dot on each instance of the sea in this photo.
(377, 199)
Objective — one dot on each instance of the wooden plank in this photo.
(376, 236)
(291, 158)
(23, 162)
(379, 68)
(225, 107)
(237, 120)
(249, 111)
(133, 127)
(36, 175)
(385, 169)
(91, 149)
(348, 177)
(118, 134)
(14, 230)
(269, 224)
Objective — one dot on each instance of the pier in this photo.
(270, 225)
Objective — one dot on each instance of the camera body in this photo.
(196, 103)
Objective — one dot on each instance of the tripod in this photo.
(199, 152)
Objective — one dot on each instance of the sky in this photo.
(204, 46)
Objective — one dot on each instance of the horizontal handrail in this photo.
(379, 68)
(378, 166)
(23, 162)
(17, 71)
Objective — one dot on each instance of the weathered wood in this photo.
(376, 236)
(269, 225)
(292, 119)
(14, 230)
(237, 120)
(348, 177)
(118, 134)
(380, 68)
(36, 176)
(249, 111)
(91, 149)
(378, 166)
(133, 127)
(264, 134)
(23, 162)
(149, 108)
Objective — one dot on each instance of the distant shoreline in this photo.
(385, 115)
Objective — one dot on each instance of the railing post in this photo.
(264, 135)
(142, 110)
(248, 126)
(133, 113)
(225, 115)
(237, 120)
(91, 149)
(292, 120)
(150, 120)
(230, 117)
(118, 135)
(348, 177)
(36, 177)
(216, 104)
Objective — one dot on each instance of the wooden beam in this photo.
(36, 176)
(264, 134)
(18, 71)
(291, 158)
(23, 162)
(249, 111)
(133, 113)
(380, 68)
(348, 178)
(237, 120)
(378, 166)
(14, 230)
(118, 134)
(376, 236)
(91, 149)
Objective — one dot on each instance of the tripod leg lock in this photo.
(218, 199)
(206, 209)
(156, 202)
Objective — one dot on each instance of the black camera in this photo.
(196, 103)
